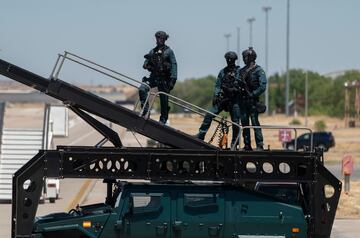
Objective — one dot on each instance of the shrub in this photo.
(295, 122)
(320, 125)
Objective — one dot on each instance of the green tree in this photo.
(196, 91)
(326, 95)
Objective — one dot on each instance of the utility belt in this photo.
(160, 75)
(158, 81)
(225, 102)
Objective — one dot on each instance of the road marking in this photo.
(79, 195)
(86, 184)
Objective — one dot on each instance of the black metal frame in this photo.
(176, 165)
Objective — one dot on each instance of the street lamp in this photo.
(306, 98)
(227, 37)
(238, 41)
(250, 21)
(266, 10)
(287, 59)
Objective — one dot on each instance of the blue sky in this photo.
(324, 34)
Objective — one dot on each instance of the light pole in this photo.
(238, 41)
(306, 99)
(266, 10)
(250, 21)
(287, 59)
(227, 37)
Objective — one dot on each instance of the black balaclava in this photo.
(161, 37)
(249, 56)
(231, 58)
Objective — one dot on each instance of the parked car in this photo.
(323, 140)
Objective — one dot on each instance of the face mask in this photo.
(230, 62)
(246, 59)
(160, 41)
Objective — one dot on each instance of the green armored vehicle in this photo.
(195, 189)
(178, 210)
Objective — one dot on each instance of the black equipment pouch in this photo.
(222, 102)
(260, 107)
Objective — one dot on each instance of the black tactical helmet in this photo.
(162, 34)
(231, 55)
(250, 53)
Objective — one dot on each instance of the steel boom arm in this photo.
(86, 101)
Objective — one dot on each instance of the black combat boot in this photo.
(247, 148)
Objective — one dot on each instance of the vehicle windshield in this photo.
(287, 193)
(305, 136)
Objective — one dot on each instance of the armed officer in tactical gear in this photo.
(226, 96)
(161, 63)
(253, 84)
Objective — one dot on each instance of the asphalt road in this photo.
(346, 228)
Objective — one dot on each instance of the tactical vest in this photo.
(161, 65)
(229, 77)
(251, 83)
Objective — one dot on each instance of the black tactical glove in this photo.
(145, 80)
(172, 83)
(251, 96)
(242, 84)
(148, 67)
(216, 100)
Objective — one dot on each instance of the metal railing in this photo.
(131, 82)
(175, 100)
(190, 107)
(77, 59)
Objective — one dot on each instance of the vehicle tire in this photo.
(290, 147)
(52, 200)
(323, 147)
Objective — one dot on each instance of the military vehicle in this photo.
(178, 210)
(193, 188)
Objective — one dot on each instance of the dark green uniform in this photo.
(255, 84)
(226, 95)
(161, 63)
